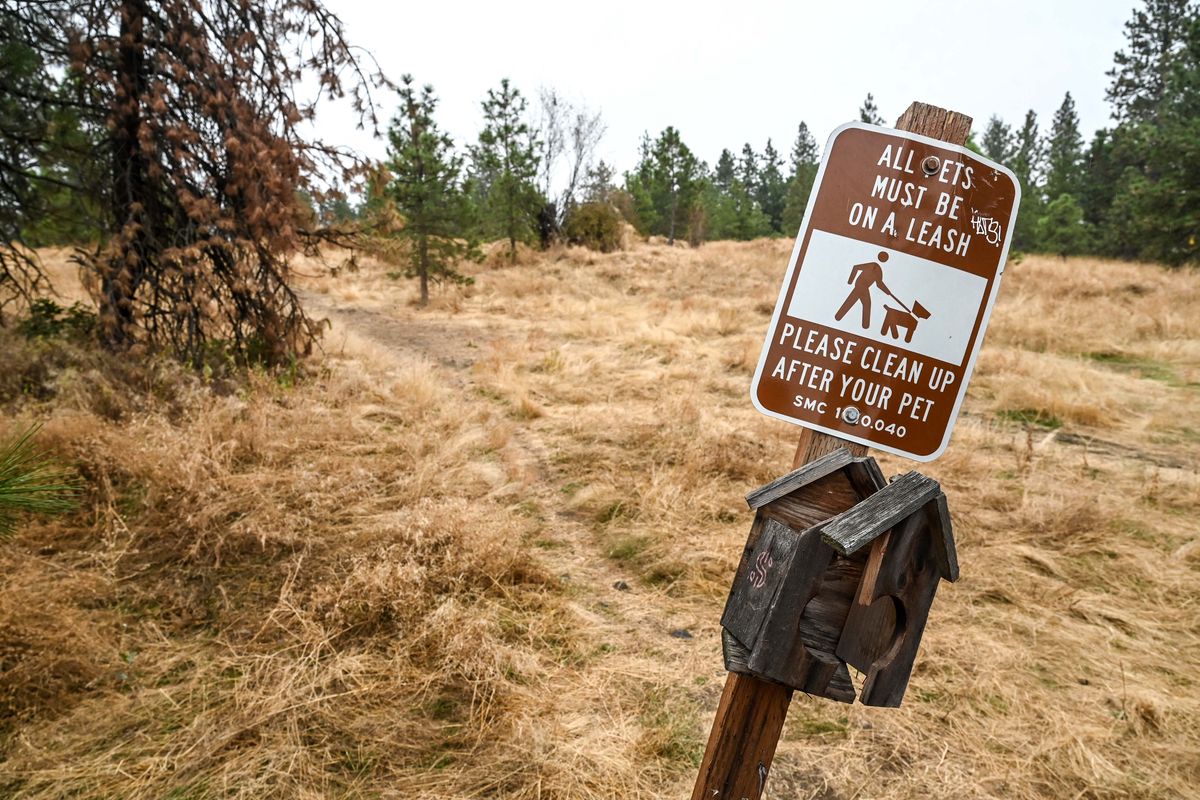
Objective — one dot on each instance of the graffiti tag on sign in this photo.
(988, 227)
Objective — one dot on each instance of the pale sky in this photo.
(731, 72)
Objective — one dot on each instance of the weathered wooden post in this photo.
(942, 209)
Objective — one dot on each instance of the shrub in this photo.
(596, 226)
(48, 320)
(30, 482)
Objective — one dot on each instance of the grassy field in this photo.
(481, 550)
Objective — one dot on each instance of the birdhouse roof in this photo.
(864, 474)
(909, 494)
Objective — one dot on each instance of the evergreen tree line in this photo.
(1130, 194)
(671, 193)
(191, 192)
(1134, 190)
(429, 204)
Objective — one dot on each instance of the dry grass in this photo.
(397, 578)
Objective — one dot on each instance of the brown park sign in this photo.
(888, 291)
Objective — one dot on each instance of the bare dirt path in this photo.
(452, 343)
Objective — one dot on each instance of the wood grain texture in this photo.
(821, 622)
(737, 655)
(943, 544)
(781, 654)
(815, 503)
(866, 476)
(749, 553)
(798, 477)
(751, 713)
(742, 742)
(870, 573)
(859, 526)
(758, 582)
(936, 123)
(814, 444)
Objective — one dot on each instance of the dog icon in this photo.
(896, 318)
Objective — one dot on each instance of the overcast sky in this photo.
(731, 72)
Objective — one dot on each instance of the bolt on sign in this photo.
(888, 291)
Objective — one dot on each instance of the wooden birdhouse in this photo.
(816, 590)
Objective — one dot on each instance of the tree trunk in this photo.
(132, 190)
(674, 208)
(512, 218)
(423, 269)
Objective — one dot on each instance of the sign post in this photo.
(853, 279)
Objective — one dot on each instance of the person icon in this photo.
(863, 277)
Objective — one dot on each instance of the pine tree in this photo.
(1027, 155)
(804, 149)
(639, 186)
(24, 133)
(1061, 229)
(734, 214)
(49, 205)
(750, 221)
(676, 173)
(425, 188)
(725, 172)
(1101, 173)
(998, 143)
(747, 169)
(504, 166)
(869, 112)
(194, 150)
(598, 184)
(1155, 210)
(1027, 166)
(1157, 38)
(665, 187)
(1064, 152)
(772, 187)
(805, 161)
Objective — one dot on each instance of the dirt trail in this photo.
(454, 344)
(604, 594)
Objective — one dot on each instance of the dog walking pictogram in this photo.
(863, 276)
(868, 275)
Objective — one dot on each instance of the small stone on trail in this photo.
(680, 633)
(621, 586)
